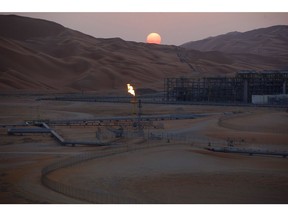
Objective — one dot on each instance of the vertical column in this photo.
(284, 87)
(245, 93)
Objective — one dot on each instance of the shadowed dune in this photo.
(43, 55)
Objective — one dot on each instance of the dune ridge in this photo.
(45, 56)
(264, 41)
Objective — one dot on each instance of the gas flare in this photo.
(130, 89)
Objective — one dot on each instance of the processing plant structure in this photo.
(237, 89)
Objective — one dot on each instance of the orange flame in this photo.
(130, 89)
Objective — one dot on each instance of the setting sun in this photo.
(153, 38)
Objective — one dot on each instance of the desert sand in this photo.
(178, 173)
(50, 57)
(183, 174)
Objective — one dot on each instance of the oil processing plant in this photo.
(248, 86)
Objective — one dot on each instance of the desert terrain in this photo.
(172, 161)
(40, 55)
(181, 172)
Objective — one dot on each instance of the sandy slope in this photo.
(57, 58)
(270, 41)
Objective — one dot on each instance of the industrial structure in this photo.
(237, 89)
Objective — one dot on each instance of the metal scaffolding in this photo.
(238, 89)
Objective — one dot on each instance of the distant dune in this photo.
(42, 55)
(265, 41)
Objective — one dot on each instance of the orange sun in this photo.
(153, 38)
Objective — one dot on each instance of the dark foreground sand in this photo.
(183, 174)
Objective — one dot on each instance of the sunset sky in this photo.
(132, 20)
(174, 28)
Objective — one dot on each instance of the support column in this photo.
(245, 93)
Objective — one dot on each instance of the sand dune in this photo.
(42, 55)
(265, 41)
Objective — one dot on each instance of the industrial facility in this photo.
(238, 89)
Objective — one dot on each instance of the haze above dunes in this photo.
(42, 55)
